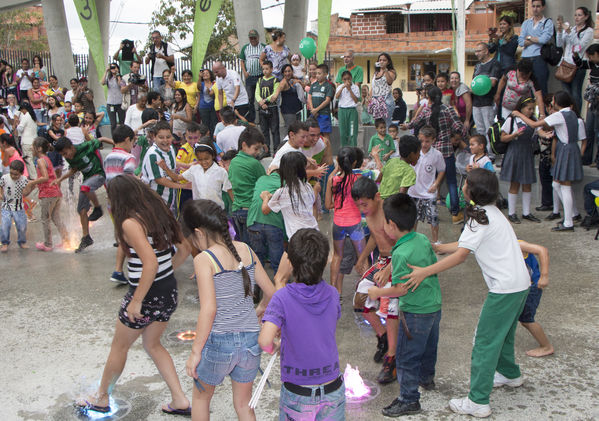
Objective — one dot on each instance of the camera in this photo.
(152, 55)
(137, 79)
(127, 51)
(4, 110)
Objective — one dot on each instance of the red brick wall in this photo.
(369, 24)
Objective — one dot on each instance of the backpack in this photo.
(550, 52)
(164, 47)
(494, 134)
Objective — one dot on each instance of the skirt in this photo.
(518, 164)
(568, 162)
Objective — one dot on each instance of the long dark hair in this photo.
(435, 96)
(388, 57)
(132, 199)
(293, 175)
(183, 100)
(10, 141)
(525, 100)
(563, 99)
(482, 189)
(588, 23)
(346, 158)
(27, 106)
(208, 216)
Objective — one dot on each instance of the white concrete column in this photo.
(103, 9)
(248, 16)
(461, 37)
(57, 30)
(295, 22)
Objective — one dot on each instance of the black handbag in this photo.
(550, 52)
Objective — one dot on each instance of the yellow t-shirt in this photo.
(217, 105)
(191, 90)
(185, 155)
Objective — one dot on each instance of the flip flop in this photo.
(174, 411)
(91, 407)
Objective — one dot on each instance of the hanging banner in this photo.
(88, 16)
(324, 27)
(203, 25)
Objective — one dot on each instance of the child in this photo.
(228, 137)
(442, 82)
(319, 99)
(68, 110)
(348, 97)
(297, 138)
(401, 109)
(545, 142)
(226, 341)
(365, 117)
(225, 162)
(568, 164)
(346, 219)
(186, 156)
(49, 195)
(479, 158)
(244, 171)
(394, 132)
(306, 314)
(539, 276)
(416, 354)
(298, 69)
(518, 165)
(145, 224)
(13, 187)
(490, 236)
(424, 192)
(397, 175)
(84, 158)
(144, 141)
(266, 89)
(91, 121)
(381, 139)
(55, 132)
(76, 134)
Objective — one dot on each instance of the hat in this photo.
(83, 79)
(253, 33)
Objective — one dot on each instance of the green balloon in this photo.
(462, 202)
(481, 85)
(307, 47)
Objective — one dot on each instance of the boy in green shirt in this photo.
(320, 98)
(244, 171)
(266, 95)
(381, 139)
(416, 353)
(398, 174)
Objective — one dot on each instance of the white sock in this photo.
(567, 199)
(557, 196)
(526, 195)
(511, 203)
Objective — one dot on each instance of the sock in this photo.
(511, 203)
(557, 196)
(567, 199)
(526, 195)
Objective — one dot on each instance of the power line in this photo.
(130, 23)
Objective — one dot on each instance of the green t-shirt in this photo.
(397, 173)
(244, 171)
(357, 74)
(268, 183)
(143, 142)
(125, 66)
(319, 93)
(387, 144)
(87, 160)
(415, 249)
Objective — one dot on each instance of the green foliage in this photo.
(21, 30)
(177, 17)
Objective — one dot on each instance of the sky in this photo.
(141, 11)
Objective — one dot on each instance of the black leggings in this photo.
(115, 111)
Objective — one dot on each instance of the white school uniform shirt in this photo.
(484, 163)
(228, 138)
(497, 252)
(75, 135)
(296, 216)
(426, 168)
(208, 184)
(345, 99)
(558, 122)
(286, 148)
(395, 154)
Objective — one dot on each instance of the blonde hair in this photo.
(510, 32)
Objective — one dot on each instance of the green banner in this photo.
(88, 16)
(205, 18)
(324, 27)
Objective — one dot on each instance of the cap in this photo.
(253, 33)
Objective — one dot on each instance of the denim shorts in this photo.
(236, 354)
(355, 232)
(531, 304)
(330, 406)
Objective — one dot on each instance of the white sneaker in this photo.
(467, 407)
(500, 380)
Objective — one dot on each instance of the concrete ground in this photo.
(59, 309)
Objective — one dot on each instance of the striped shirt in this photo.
(234, 310)
(150, 171)
(118, 162)
(12, 198)
(251, 56)
(135, 266)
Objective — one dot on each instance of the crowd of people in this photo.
(190, 173)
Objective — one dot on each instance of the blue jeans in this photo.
(592, 128)
(589, 199)
(20, 219)
(240, 217)
(157, 83)
(452, 184)
(267, 240)
(416, 358)
(574, 88)
(541, 72)
(330, 406)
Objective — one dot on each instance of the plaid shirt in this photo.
(449, 122)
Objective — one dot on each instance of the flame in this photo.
(188, 335)
(354, 385)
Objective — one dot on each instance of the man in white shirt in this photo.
(162, 57)
(228, 138)
(229, 82)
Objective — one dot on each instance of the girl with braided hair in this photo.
(226, 341)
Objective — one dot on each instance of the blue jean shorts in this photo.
(324, 121)
(330, 406)
(531, 304)
(354, 232)
(234, 354)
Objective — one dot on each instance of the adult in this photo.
(125, 65)
(37, 99)
(181, 113)
(133, 114)
(277, 53)
(575, 40)
(381, 105)
(297, 137)
(24, 78)
(161, 57)
(536, 32)
(9, 81)
(53, 107)
(504, 43)
(187, 84)
(55, 89)
(445, 121)
(357, 73)
(39, 71)
(85, 96)
(132, 84)
(114, 99)
(229, 83)
(69, 95)
(482, 105)
(292, 96)
(166, 92)
(462, 99)
(516, 83)
(12, 106)
(252, 70)
(27, 130)
(207, 93)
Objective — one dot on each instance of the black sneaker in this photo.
(530, 217)
(96, 214)
(381, 348)
(119, 278)
(399, 408)
(577, 218)
(388, 373)
(553, 216)
(589, 222)
(428, 386)
(85, 242)
(544, 208)
(513, 219)
(561, 228)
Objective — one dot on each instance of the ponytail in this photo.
(247, 284)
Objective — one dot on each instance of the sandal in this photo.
(91, 407)
(174, 411)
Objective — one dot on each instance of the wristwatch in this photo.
(529, 37)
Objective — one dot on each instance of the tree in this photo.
(23, 29)
(178, 15)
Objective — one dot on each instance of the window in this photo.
(395, 23)
(419, 66)
(430, 22)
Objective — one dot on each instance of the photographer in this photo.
(132, 85)
(162, 57)
(85, 95)
(126, 55)
(112, 79)
(504, 43)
